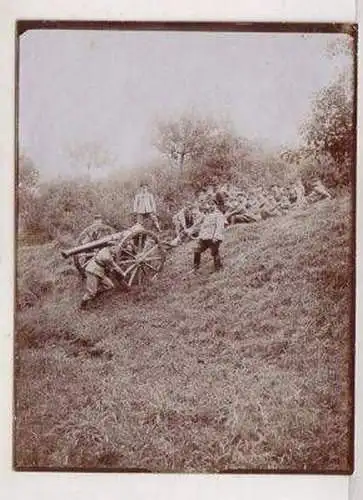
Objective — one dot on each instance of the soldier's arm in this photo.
(220, 224)
(118, 269)
(112, 265)
(153, 204)
(182, 219)
(196, 224)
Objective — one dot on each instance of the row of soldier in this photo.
(251, 205)
(246, 206)
(203, 220)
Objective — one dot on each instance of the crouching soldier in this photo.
(96, 273)
(187, 223)
(210, 235)
(183, 220)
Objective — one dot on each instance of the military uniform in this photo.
(145, 209)
(270, 208)
(318, 193)
(183, 220)
(300, 193)
(210, 236)
(237, 211)
(253, 213)
(284, 203)
(276, 193)
(96, 274)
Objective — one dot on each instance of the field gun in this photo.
(92, 245)
(140, 254)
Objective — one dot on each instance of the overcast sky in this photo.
(109, 88)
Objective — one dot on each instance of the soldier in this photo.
(145, 207)
(299, 190)
(270, 208)
(201, 195)
(187, 223)
(261, 197)
(276, 192)
(96, 273)
(183, 219)
(236, 210)
(319, 192)
(210, 235)
(220, 198)
(253, 207)
(284, 202)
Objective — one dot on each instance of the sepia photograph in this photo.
(185, 247)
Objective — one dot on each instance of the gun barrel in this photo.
(92, 245)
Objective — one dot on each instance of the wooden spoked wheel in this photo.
(141, 257)
(81, 260)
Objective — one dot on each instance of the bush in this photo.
(335, 175)
(329, 133)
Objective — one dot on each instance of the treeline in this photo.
(195, 153)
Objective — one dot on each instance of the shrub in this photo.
(335, 175)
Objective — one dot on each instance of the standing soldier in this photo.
(210, 235)
(145, 207)
(96, 273)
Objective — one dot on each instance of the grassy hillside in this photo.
(245, 369)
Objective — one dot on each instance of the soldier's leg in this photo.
(240, 218)
(256, 217)
(177, 227)
(200, 247)
(139, 219)
(92, 284)
(214, 248)
(156, 222)
(106, 283)
(142, 219)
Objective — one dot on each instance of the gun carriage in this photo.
(139, 254)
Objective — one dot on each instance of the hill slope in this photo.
(245, 369)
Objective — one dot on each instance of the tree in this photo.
(330, 129)
(329, 132)
(183, 140)
(203, 151)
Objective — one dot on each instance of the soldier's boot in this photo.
(217, 262)
(196, 262)
(85, 302)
